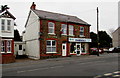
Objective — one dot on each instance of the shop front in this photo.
(79, 46)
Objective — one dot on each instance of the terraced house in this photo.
(49, 34)
(7, 35)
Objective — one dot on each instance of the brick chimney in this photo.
(33, 6)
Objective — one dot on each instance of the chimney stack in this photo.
(33, 6)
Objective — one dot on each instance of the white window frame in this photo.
(51, 46)
(71, 29)
(82, 35)
(2, 25)
(3, 46)
(64, 28)
(9, 25)
(51, 27)
(8, 46)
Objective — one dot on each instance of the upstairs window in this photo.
(3, 24)
(81, 31)
(71, 29)
(8, 25)
(51, 46)
(51, 28)
(64, 29)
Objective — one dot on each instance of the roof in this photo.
(4, 14)
(59, 17)
(118, 29)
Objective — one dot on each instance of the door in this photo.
(64, 49)
(78, 48)
(20, 50)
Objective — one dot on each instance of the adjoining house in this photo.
(116, 37)
(7, 35)
(49, 34)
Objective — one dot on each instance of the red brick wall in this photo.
(58, 37)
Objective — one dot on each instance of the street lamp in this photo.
(98, 30)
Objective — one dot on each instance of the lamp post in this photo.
(98, 30)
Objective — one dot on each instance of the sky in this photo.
(84, 9)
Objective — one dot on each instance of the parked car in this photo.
(114, 50)
(93, 51)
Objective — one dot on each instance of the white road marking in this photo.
(116, 76)
(39, 69)
(107, 74)
(116, 72)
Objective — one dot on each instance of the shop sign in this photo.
(79, 40)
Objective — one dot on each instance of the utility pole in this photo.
(98, 30)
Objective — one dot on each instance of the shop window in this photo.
(51, 46)
(71, 29)
(83, 48)
(3, 24)
(72, 48)
(51, 28)
(81, 31)
(64, 29)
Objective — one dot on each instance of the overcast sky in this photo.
(84, 9)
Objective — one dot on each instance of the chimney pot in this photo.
(33, 6)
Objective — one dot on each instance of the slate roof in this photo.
(59, 17)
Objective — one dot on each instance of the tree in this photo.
(17, 35)
(104, 39)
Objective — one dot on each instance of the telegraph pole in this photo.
(98, 30)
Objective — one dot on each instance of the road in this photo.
(83, 66)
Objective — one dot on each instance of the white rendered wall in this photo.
(31, 36)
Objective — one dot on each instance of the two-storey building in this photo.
(7, 35)
(49, 34)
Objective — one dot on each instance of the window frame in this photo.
(71, 30)
(51, 46)
(62, 29)
(9, 25)
(82, 31)
(53, 28)
(3, 46)
(8, 46)
(3, 24)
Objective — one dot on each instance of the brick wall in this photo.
(58, 37)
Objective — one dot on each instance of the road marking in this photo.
(39, 69)
(116, 75)
(98, 76)
(107, 74)
(116, 72)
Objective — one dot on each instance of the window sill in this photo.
(9, 52)
(64, 34)
(6, 31)
(82, 36)
(50, 52)
(51, 33)
(71, 35)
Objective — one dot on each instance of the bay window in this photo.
(6, 46)
(51, 46)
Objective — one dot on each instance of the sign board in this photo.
(79, 40)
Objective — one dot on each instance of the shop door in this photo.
(64, 49)
(78, 48)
